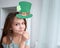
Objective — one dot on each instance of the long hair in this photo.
(8, 24)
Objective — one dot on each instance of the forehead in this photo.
(17, 20)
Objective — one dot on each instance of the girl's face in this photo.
(18, 25)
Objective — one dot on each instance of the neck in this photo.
(17, 38)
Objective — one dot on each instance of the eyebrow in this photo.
(18, 22)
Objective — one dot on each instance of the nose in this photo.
(20, 26)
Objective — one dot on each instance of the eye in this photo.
(17, 24)
(23, 23)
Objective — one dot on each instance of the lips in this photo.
(20, 31)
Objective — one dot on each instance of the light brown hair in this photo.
(8, 24)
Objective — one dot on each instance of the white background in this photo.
(45, 22)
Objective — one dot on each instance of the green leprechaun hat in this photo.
(24, 9)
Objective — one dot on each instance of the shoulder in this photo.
(4, 40)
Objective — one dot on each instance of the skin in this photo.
(20, 36)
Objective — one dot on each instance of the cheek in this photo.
(14, 28)
(23, 27)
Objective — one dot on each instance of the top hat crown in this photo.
(24, 9)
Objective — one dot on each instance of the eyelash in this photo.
(19, 24)
(23, 23)
(16, 24)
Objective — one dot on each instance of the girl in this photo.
(14, 32)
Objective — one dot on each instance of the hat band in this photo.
(24, 13)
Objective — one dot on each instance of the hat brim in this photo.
(20, 16)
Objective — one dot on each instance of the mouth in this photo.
(20, 31)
